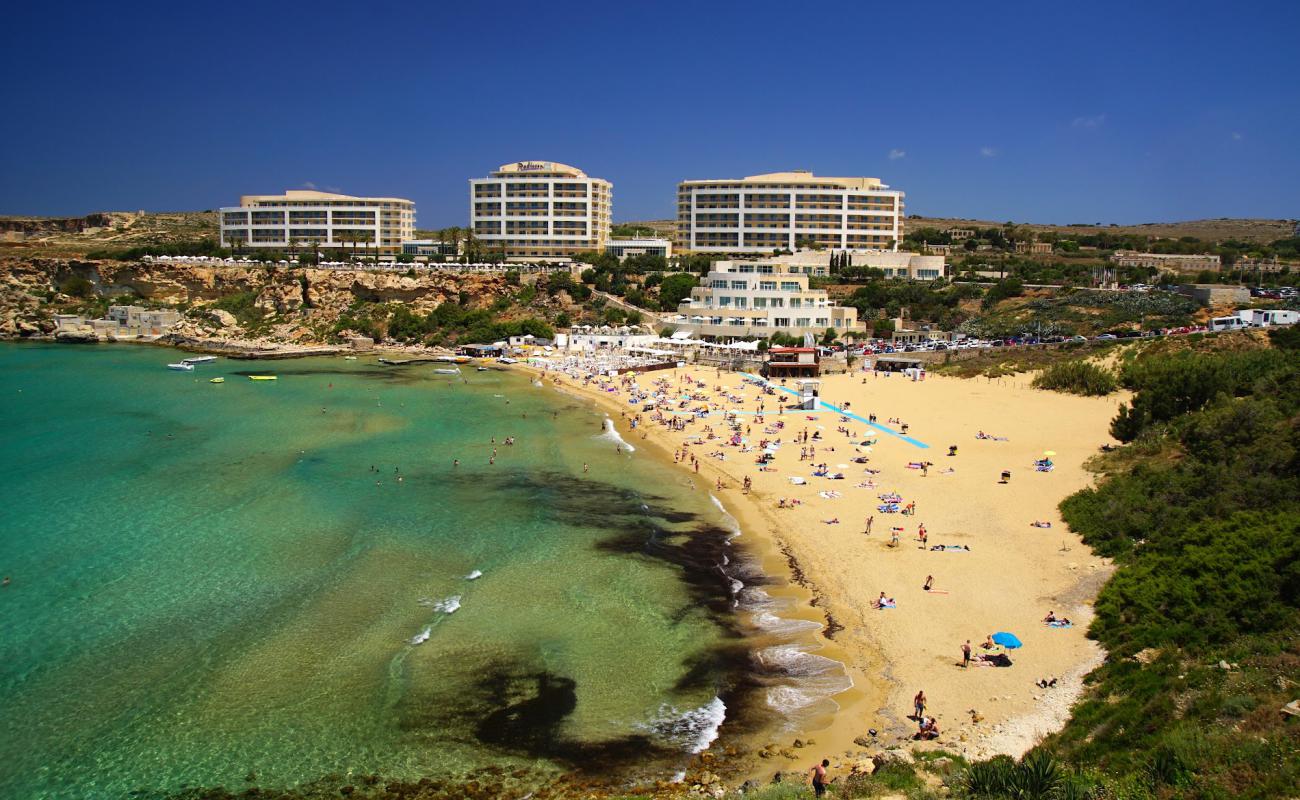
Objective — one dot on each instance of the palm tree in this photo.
(470, 246)
(293, 248)
(455, 240)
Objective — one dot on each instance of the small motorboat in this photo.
(261, 377)
(480, 369)
(349, 358)
(216, 380)
(181, 367)
(198, 359)
(452, 371)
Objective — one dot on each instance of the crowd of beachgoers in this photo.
(921, 510)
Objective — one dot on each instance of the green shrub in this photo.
(1077, 377)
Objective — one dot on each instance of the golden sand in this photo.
(1012, 576)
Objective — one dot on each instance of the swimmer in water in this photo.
(455, 462)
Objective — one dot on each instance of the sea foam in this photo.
(611, 434)
(695, 729)
(447, 605)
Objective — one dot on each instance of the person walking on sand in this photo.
(870, 520)
(918, 704)
(929, 581)
(819, 777)
(965, 655)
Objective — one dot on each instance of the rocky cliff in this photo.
(298, 303)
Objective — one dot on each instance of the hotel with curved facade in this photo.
(784, 210)
(365, 224)
(539, 210)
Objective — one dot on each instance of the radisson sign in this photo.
(533, 166)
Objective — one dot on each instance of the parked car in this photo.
(1107, 337)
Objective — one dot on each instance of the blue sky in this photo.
(1047, 111)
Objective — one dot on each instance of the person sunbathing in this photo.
(883, 602)
(1051, 617)
(1038, 523)
(1044, 683)
(831, 521)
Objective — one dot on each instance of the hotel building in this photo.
(782, 210)
(759, 298)
(540, 209)
(366, 224)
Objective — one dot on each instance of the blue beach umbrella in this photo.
(1007, 640)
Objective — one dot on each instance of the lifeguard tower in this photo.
(810, 389)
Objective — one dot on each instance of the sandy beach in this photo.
(1011, 576)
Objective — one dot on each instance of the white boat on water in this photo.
(182, 366)
(198, 359)
(481, 369)
(452, 371)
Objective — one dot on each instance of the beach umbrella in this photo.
(1007, 640)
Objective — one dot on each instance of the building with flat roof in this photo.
(759, 298)
(1168, 262)
(540, 209)
(786, 210)
(304, 218)
(892, 263)
(428, 247)
(622, 248)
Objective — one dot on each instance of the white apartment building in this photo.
(540, 209)
(894, 264)
(759, 298)
(303, 218)
(784, 210)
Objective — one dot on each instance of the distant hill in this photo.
(103, 230)
(1260, 231)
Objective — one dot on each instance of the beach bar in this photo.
(792, 362)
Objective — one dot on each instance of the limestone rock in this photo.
(223, 318)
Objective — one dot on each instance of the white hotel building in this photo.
(540, 209)
(759, 298)
(781, 210)
(378, 224)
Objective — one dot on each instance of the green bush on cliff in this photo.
(1201, 619)
(1077, 377)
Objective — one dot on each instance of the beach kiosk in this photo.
(809, 390)
(792, 362)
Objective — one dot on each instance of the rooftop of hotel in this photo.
(301, 195)
(798, 176)
(539, 169)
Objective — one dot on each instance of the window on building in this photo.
(781, 322)
(767, 286)
(739, 285)
(790, 286)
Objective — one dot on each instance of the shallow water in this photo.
(228, 584)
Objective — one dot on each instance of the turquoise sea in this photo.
(274, 583)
